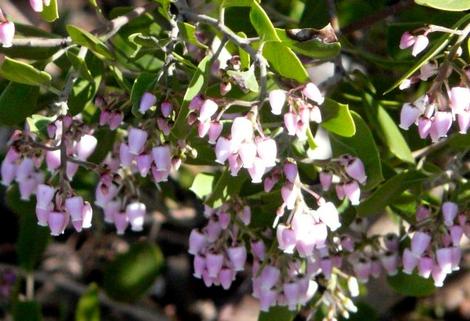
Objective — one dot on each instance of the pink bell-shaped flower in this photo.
(37, 5)
(197, 241)
(424, 126)
(420, 242)
(438, 275)
(53, 160)
(57, 222)
(166, 108)
(355, 169)
(267, 151)
(137, 139)
(135, 212)
(74, 206)
(203, 128)
(285, 238)
(390, 262)
(214, 263)
(42, 215)
(242, 131)
(148, 100)
(87, 215)
(215, 130)
(196, 103)
(226, 277)
(237, 256)
(290, 122)
(329, 215)
(208, 109)
(162, 157)
(326, 178)
(312, 92)
(410, 261)
(290, 171)
(27, 187)
(407, 40)
(222, 150)
(409, 115)
(121, 222)
(362, 269)
(420, 44)
(8, 172)
(291, 293)
(463, 120)
(459, 99)
(441, 124)
(449, 212)
(277, 99)
(115, 120)
(247, 152)
(353, 192)
(425, 266)
(257, 170)
(7, 33)
(144, 163)
(444, 259)
(25, 169)
(85, 147)
(199, 265)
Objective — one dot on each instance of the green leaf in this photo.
(244, 56)
(388, 129)
(197, 84)
(277, 314)
(188, 31)
(79, 64)
(362, 145)
(284, 61)
(143, 83)
(17, 102)
(262, 24)
(23, 73)
(130, 275)
(337, 118)
(83, 90)
(86, 39)
(88, 308)
(202, 184)
(237, 3)
(106, 138)
(27, 310)
(440, 44)
(390, 191)
(225, 186)
(245, 79)
(37, 124)
(318, 45)
(447, 5)
(411, 285)
(32, 240)
(50, 13)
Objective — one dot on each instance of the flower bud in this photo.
(407, 40)
(285, 238)
(214, 263)
(135, 212)
(410, 261)
(148, 100)
(441, 124)
(74, 206)
(166, 108)
(199, 265)
(115, 120)
(196, 103)
(419, 243)
(449, 211)
(444, 259)
(424, 126)
(390, 262)
(87, 215)
(408, 115)
(425, 266)
(222, 150)
(290, 171)
(353, 192)
(144, 163)
(226, 277)
(215, 130)
(121, 222)
(438, 275)
(355, 169)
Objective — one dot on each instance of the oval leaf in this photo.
(17, 102)
(411, 285)
(23, 73)
(284, 61)
(389, 192)
(337, 118)
(86, 39)
(88, 308)
(27, 310)
(50, 12)
(262, 24)
(132, 274)
(447, 5)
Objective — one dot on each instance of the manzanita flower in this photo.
(355, 169)
(459, 99)
(7, 31)
(148, 100)
(420, 44)
(312, 92)
(137, 139)
(441, 124)
(409, 114)
(277, 99)
(208, 109)
(407, 40)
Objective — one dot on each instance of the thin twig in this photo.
(106, 32)
(134, 311)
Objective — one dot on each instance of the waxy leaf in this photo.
(390, 191)
(17, 102)
(79, 64)
(27, 310)
(23, 73)
(447, 5)
(202, 184)
(50, 13)
(337, 118)
(411, 285)
(284, 61)
(131, 274)
(262, 24)
(88, 308)
(86, 39)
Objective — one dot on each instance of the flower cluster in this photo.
(435, 248)
(218, 249)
